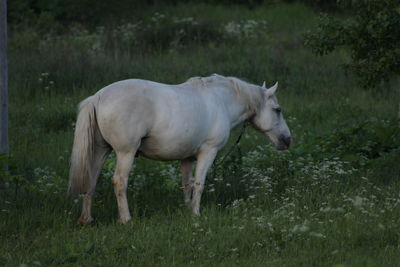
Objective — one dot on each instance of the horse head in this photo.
(269, 119)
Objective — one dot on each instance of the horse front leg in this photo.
(120, 183)
(204, 161)
(187, 180)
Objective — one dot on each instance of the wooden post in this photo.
(3, 83)
(3, 78)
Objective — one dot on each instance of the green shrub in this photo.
(328, 5)
(372, 34)
(163, 32)
(361, 143)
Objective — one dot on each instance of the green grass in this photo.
(331, 200)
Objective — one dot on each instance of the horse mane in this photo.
(250, 93)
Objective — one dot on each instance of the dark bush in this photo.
(371, 33)
(163, 32)
(361, 143)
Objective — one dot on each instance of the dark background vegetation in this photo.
(332, 199)
(371, 29)
(92, 12)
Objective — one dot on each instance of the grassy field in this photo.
(333, 199)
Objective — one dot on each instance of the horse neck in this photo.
(243, 103)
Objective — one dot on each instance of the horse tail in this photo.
(82, 176)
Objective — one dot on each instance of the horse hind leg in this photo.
(86, 217)
(120, 183)
(100, 154)
(187, 180)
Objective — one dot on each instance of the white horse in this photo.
(187, 122)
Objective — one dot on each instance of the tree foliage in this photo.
(45, 13)
(372, 34)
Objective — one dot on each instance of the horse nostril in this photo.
(287, 140)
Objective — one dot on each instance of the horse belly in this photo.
(178, 131)
(168, 149)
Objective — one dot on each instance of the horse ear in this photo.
(272, 90)
(263, 85)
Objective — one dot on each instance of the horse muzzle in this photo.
(284, 142)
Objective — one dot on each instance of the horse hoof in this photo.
(123, 220)
(84, 222)
(196, 213)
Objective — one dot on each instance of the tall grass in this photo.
(332, 200)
